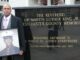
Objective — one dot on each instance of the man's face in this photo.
(8, 42)
(6, 10)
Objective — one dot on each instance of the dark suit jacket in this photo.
(16, 23)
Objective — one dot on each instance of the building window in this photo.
(56, 2)
(5, 0)
(44, 2)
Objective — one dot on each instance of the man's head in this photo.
(8, 40)
(6, 9)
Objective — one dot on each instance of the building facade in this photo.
(34, 3)
(29, 3)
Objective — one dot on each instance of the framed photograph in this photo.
(9, 42)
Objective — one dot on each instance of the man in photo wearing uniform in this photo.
(10, 48)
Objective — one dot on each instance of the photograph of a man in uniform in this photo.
(10, 49)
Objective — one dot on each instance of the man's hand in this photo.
(21, 52)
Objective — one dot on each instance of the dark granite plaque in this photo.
(53, 33)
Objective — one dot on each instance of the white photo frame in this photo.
(9, 42)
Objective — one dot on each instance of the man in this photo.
(8, 21)
(10, 48)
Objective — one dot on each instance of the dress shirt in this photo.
(5, 21)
